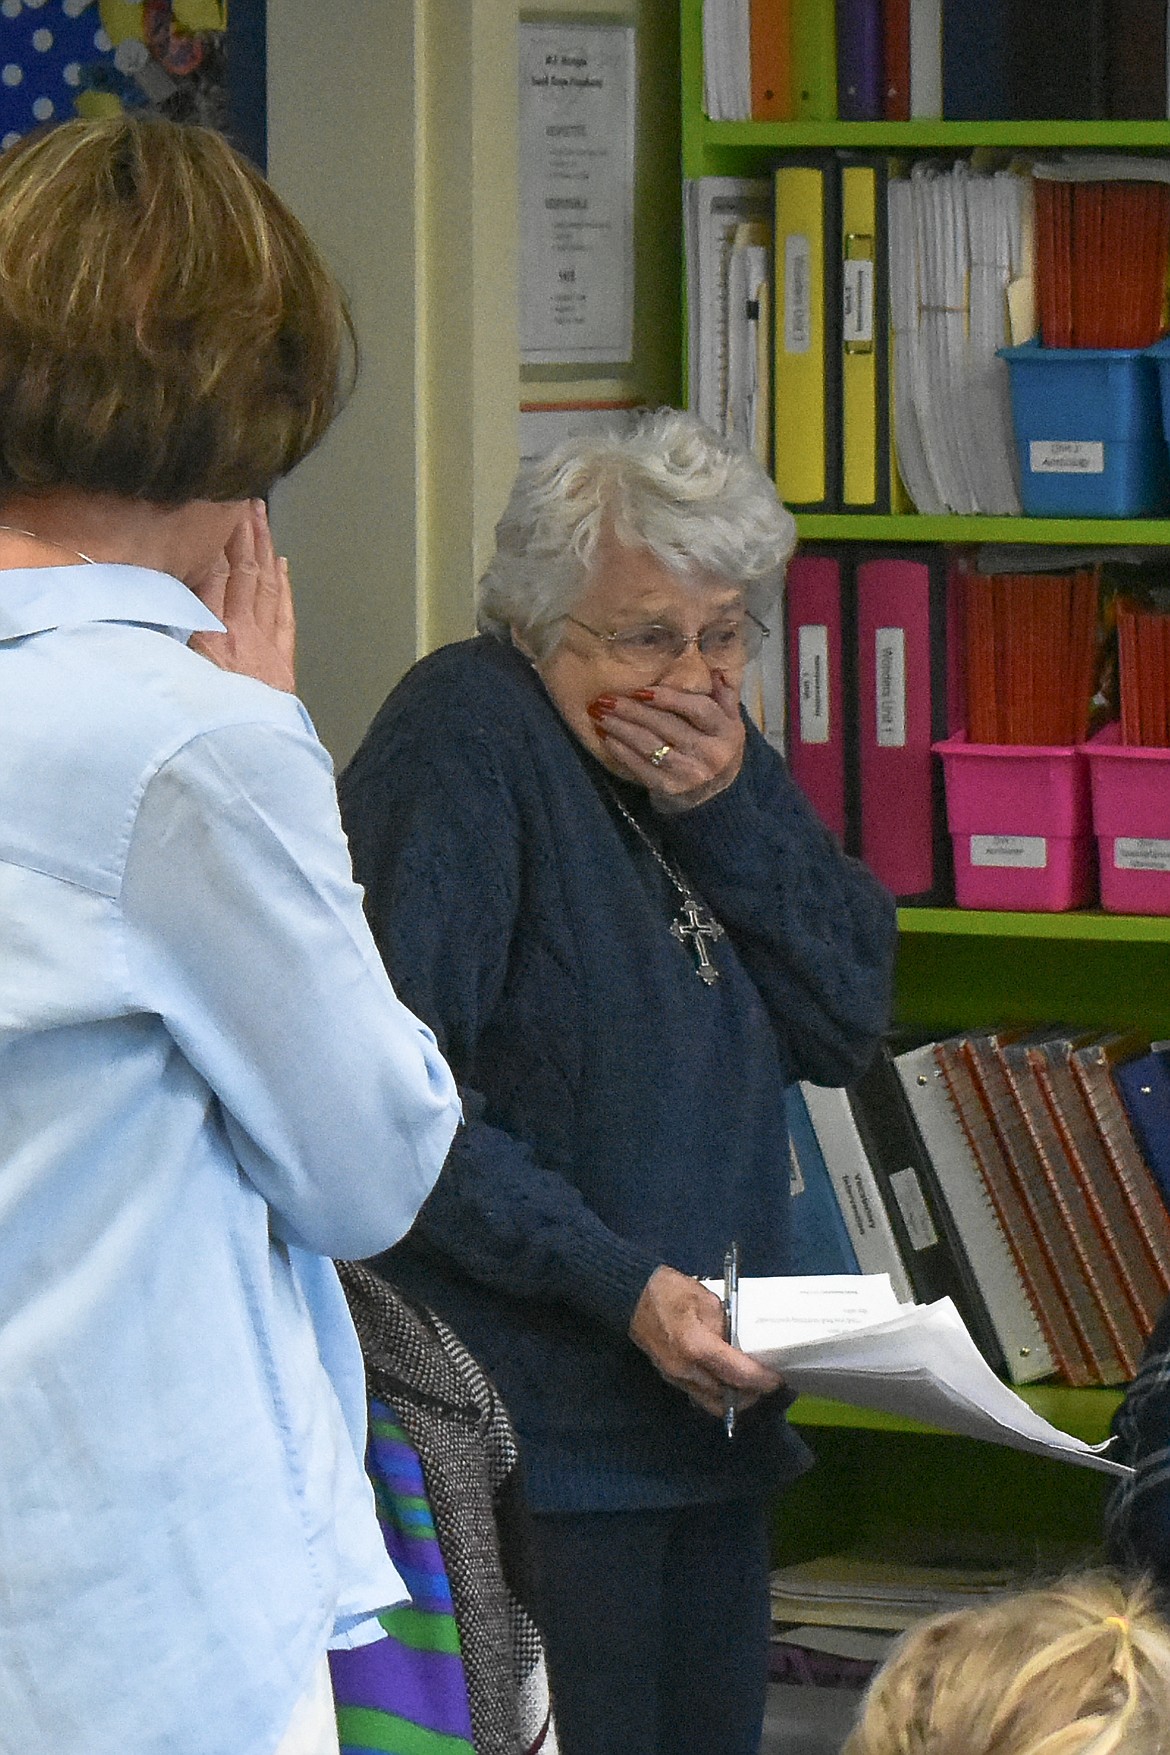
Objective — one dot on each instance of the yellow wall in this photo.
(392, 133)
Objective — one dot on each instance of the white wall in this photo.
(392, 134)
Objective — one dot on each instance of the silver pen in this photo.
(730, 1323)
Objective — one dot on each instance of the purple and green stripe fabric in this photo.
(405, 1694)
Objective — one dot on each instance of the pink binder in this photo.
(902, 709)
(820, 695)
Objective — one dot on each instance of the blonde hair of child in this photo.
(1079, 1668)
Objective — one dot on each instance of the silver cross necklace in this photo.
(694, 924)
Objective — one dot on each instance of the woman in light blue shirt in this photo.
(207, 1085)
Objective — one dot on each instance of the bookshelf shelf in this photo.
(776, 136)
(1085, 924)
(731, 148)
(961, 969)
(920, 527)
(1085, 1413)
(727, 148)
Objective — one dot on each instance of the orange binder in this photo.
(770, 32)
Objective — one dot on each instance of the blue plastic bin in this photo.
(1160, 354)
(1088, 425)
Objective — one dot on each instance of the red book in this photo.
(896, 60)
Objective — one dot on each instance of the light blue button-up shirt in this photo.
(207, 1088)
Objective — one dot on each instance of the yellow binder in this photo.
(859, 340)
(865, 335)
(804, 391)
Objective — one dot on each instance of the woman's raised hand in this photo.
(683, 747)
(248, 589)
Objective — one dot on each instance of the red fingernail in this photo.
(643, 695)
(607, 703)
(601, 731)
(598, 709)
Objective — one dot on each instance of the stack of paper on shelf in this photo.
(871, 1591)
(715, 211)
(908, 1576)
(959, 266)
(727, 87)
(849, 1338)
(747, 414)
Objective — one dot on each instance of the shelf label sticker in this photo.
(797, 293)
(1027, 852)
(890, 693)
(913, 1208)
(1066, 457)
(1137, 853)
(812, 659)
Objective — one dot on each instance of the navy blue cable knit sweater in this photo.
(618, 1112)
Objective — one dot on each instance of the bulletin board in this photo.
(192, 60)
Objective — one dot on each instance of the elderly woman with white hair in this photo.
(594, 879)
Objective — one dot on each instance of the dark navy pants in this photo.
(655, 1626)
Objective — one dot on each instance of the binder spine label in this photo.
(890, 694)
(857, 305)
(913, 1208)
(1133, 853)
(797, 293)
(813, 677)
(1028, 852)
(796, 1183)
(1066, 457)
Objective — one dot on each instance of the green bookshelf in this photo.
(960, 969)
(975, 527)
(1085, 1413)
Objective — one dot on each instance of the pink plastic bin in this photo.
(1020, 821)
(1131, 819)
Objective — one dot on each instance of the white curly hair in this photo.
(700, 503)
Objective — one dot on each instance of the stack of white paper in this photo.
(960, 266)
(845, 1336)
(727, 78)
(714, 210)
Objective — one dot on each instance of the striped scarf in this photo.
(405, 1694)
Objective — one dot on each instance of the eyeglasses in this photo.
(652, 644)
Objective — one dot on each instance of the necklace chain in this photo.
(15, 530)
(694, 923)
(684, 889)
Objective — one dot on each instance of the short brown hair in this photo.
(168, 332)
(1081, 1667)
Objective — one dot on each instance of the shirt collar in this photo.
(35, 599)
